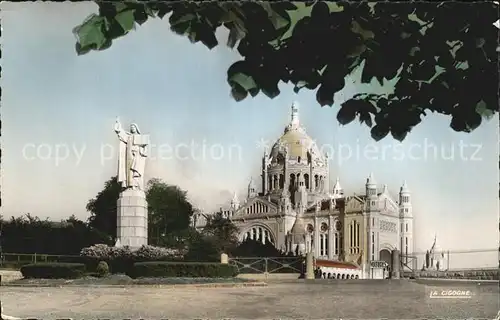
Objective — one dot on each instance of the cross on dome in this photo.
(371, 179)
(404, 188)
(294, 122)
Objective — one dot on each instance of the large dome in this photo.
(297, 142)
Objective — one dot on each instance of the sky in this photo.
(58, 111)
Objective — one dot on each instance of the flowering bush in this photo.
(98, 251)
(121, 259)
(144, 253)
(151, 253)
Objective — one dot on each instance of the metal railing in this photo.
(454, 259)
(268, 265)
(15, 260)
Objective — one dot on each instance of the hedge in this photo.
(53, 270)
(163, 269)
(122, 259)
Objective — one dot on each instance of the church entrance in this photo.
(386, 256)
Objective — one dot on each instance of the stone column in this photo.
(316, 237)
(264, 174)
(395, 264)
(309, 266)
(132, 219)
(331, 236)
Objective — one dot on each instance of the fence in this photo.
(457, 259)
(268, 265)
(486, 259)
(16, 260)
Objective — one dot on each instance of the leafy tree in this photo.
(169, 213)
(222, 231)
(442, 54)
(202, 248)
(102, 208)
(29, 234)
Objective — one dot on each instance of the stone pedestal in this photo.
(132, 219)
(396, 264)
(309, 266)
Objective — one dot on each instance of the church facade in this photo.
(297, 211)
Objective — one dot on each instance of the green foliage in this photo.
(169, 211)
(121, 259)
(53, 270)
(183, 269)
(441, 55)
(203, 249)
(222, 232)
(28, 234)
(220, 235)
(102, 208)
(102, 269)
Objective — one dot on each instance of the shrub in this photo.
(202, 249)
(102, 269)
(155, 269)
(100, 251)
(121, 259)
(149, 253)
(53, 270)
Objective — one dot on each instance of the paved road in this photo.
(319, 300)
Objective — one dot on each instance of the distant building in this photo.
(434, 258)
(297, 211)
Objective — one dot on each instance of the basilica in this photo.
(297, 210)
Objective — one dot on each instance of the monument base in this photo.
(132, 219)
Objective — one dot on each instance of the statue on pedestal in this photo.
(132, 206)
(131, 156)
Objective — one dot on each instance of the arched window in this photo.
(321, 245)
(336, 244)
